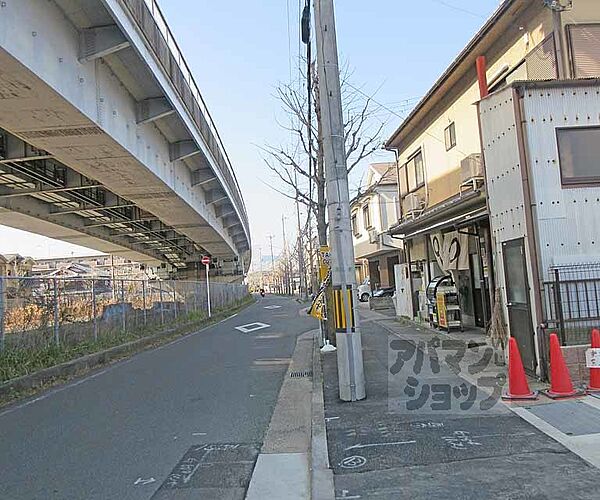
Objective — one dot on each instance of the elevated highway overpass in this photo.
(105, 140)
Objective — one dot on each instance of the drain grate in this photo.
(301, 374)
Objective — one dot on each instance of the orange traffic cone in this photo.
(594, 385)
(560, 379)
(518, 387)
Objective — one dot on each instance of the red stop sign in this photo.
(206, 260)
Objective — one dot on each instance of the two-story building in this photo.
(446, 219)
(373, 213)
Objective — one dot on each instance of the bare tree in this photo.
(298, 181)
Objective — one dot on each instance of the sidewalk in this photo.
(282, 467)
(395, 445)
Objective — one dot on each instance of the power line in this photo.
(459, 9)
(443, 141)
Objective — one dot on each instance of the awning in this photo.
(457, 221)
(443, 214)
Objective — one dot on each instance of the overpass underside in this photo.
(98, 147)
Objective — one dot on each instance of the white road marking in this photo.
(198, 433)
(345, 496)
(272, 361)
(187, 478)
(358, 446)
(353, 462)
(460, 440)
(505, 435)
(252, 327)
(143, 482)
(327, 419)
(273, 307)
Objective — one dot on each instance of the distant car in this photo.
(363, 291)
(387, 291)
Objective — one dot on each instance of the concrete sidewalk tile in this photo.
(290, 427)
(280, 476)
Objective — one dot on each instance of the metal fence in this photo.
(542, 63)
(38, 312)
(572, 302)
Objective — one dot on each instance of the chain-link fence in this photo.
(39, 312)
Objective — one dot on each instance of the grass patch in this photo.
(17, 362)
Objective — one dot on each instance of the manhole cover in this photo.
(574, 418)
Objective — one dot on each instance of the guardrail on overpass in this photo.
(153, 25)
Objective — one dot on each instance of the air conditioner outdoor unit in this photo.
(413, 205)
(373, 236)
(471, 170)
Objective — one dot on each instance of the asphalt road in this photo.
(122, 432)
(381, 450)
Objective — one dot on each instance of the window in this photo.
(354, 224)
(450, 136)
(415, 174)
(585, 53)
(367, 216)
(579, 155)
(403, 180)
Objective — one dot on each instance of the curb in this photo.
(321, 475)
(93, 360)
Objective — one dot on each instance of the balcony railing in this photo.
(153, 25)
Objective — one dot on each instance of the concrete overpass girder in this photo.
(101, 41)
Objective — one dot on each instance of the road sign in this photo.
(592, 358)
(206, 261)
(324, 261)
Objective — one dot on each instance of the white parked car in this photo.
(363, 291)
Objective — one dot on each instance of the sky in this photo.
(240, 50)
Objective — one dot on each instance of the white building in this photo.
(373, 212)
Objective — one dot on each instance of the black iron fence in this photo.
(572, 302)
(40, 312)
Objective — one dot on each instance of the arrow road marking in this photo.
(358, 446)
(143, 482)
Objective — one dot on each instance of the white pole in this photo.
(208, 290)
(349, 347)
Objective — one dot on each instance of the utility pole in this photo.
(262, 276)
(112, 272)
(303, 290)
(286, 268)
(272, 260)
(349, 347)
(305, 29)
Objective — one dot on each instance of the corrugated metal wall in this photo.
(504, 185)
(568, 219)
